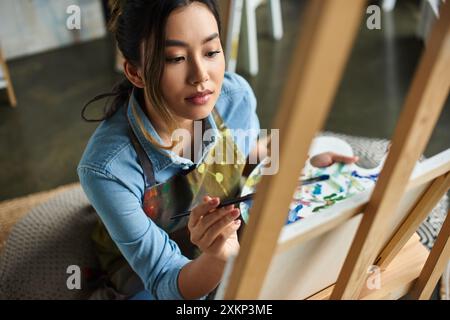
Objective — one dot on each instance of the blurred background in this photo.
(53, 70)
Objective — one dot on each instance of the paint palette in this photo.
(345, 181)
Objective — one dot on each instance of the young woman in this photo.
(175, 79)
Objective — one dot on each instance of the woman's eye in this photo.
(175, 60)
(212, 54)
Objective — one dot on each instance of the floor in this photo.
(43, 138)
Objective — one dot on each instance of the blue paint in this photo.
(372, 177)
(317, 189)
(293, 214)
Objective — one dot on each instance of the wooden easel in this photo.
(326, 41)
(7, 78)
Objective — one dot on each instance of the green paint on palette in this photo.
(340, 166)
(318, 208)
(330, 196)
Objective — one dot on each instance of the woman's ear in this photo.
(133, 74)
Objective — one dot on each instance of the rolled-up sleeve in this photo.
(147, 248)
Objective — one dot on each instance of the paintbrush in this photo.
(251, 195)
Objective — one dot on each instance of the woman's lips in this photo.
(200, 98)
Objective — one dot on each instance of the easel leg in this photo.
(434, 267)
(423, 105)
(420, 211)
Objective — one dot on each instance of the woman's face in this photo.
(195, 64)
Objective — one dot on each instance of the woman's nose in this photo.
(199, 74)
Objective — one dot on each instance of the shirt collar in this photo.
(162, 158)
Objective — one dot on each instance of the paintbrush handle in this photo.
(221, 205)
(237, 200)
(250, 196)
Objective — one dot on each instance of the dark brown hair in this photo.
(142, 22)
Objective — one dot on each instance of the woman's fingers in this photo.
(322, 160)
(220, 240)
(199, 211)
(204, 217)
(210, 218)
(328, 158)
(343, 159)
(218, 227)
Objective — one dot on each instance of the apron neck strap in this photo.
(149, 176)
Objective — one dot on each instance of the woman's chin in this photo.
(200, 112)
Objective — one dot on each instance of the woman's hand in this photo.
(328, 158)
(214, 230)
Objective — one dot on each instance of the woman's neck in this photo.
(159, 125)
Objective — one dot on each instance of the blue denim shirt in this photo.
(113, 180)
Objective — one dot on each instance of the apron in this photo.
(213, 176)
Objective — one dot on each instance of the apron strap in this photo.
(149, 176)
